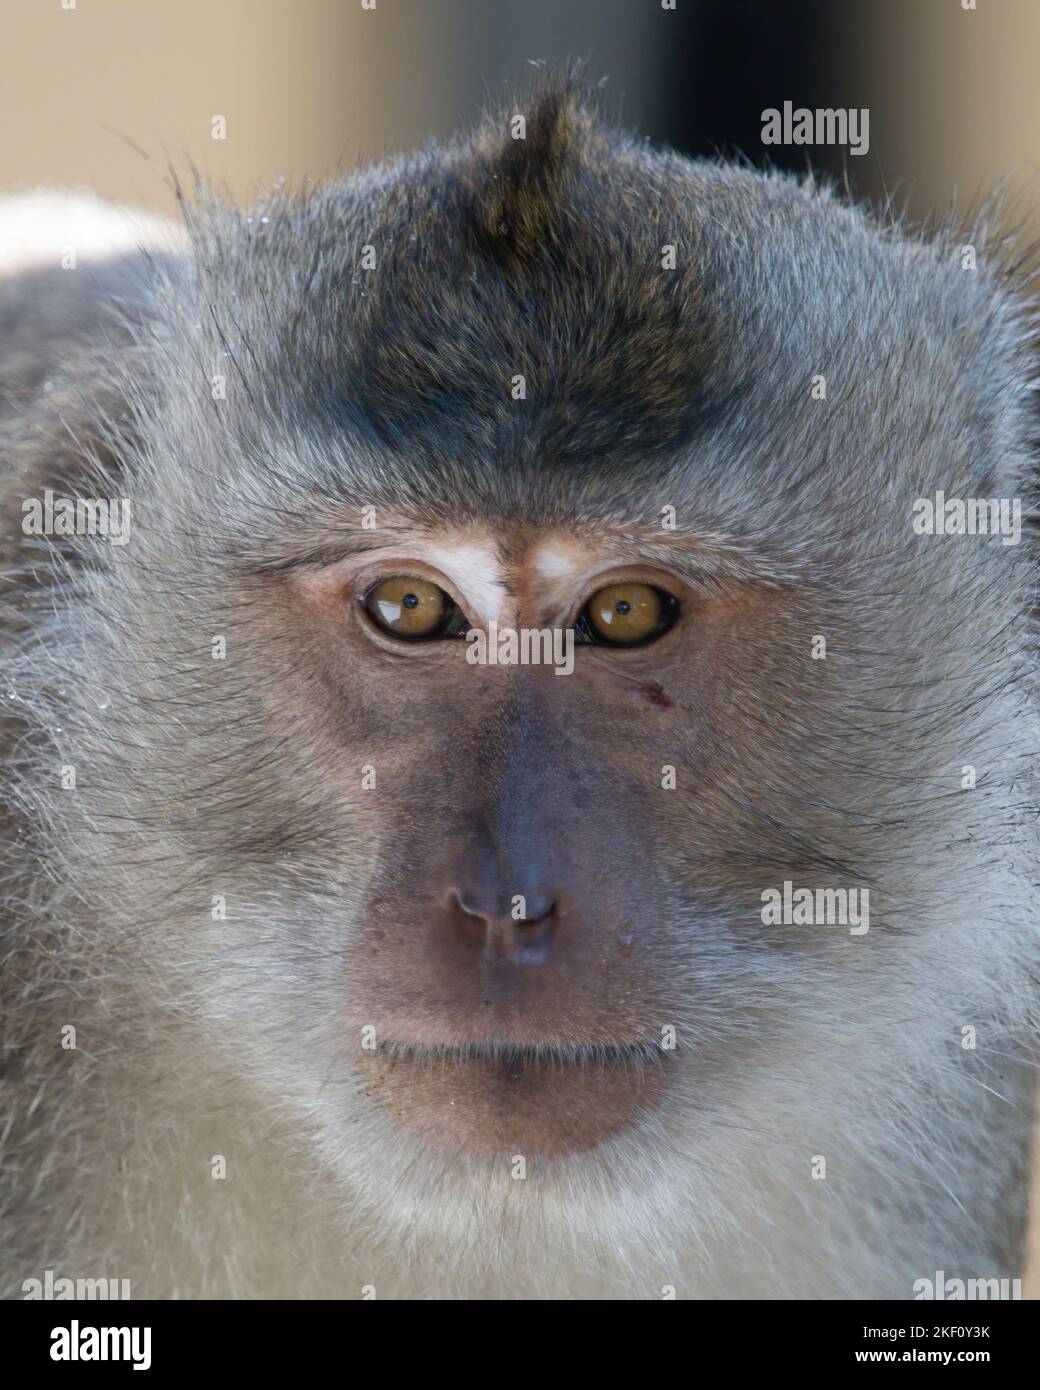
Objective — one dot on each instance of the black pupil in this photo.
(623, 606)
(410, 601)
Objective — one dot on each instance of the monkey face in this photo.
(545, 912)
(512, 954)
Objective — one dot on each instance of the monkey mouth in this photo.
(504, 1098)
(527, 1054)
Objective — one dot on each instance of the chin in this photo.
(489, 1198)
(510, 1101)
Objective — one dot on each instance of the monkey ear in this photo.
(533, 152)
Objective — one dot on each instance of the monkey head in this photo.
(524, 584)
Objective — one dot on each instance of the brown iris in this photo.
(411, 608)
(627, 614)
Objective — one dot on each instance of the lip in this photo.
(499, 1099)
(526, 1053)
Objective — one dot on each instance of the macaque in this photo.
(657, 940)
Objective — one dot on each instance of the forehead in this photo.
(589, 357)
(586, 366)
(591, 343)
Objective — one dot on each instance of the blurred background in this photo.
(307, 86)
(100, 95)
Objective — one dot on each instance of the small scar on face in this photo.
(653, 692)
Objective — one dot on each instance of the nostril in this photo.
(534, 910)
(522, 909)
(470, 905)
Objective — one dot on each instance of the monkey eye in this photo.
(414, 609)
(626, 615)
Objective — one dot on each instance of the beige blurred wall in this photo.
(301, 85)
(961, 112)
